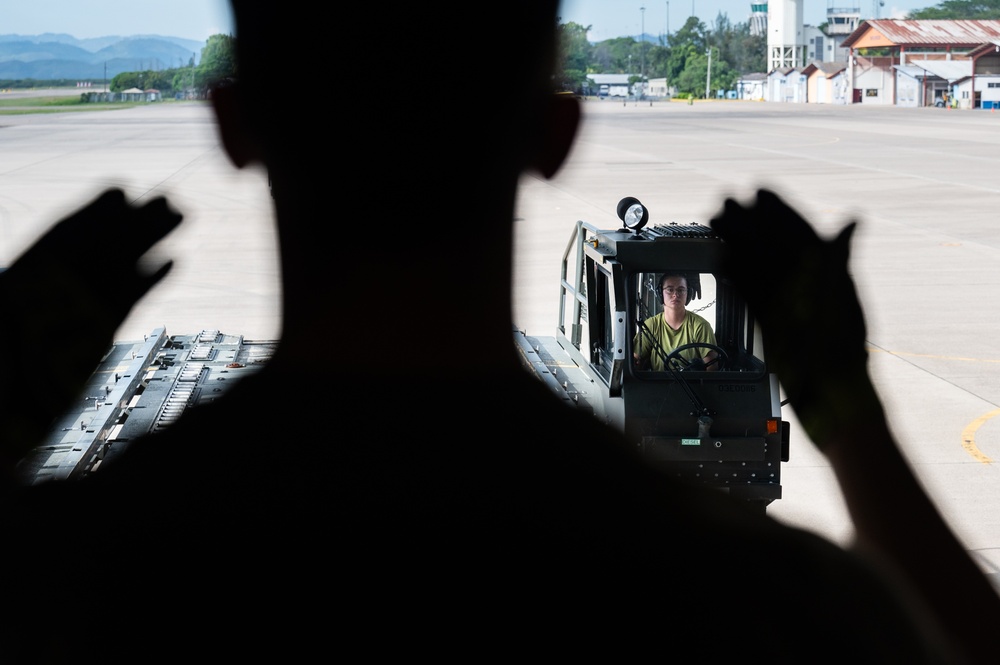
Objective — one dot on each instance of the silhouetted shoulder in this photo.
(516, 518)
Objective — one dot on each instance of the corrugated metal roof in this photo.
(950, 70)
(828, 68)
(929, 32)
(985, 48)
(912, 72)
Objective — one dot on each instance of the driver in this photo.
(675, 326)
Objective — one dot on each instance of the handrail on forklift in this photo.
(575, 289)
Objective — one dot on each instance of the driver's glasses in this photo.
(680, 290)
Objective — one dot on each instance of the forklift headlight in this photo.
(632, 213)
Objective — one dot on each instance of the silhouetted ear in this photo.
(842, 243)
(562, 119)
(239, 142)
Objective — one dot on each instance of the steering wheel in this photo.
(689, 365)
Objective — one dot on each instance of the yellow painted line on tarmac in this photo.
(969, 433)
(969, 437)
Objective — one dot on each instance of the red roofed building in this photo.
(891, 61)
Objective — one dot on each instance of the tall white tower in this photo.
(758, 18)
(785, 38)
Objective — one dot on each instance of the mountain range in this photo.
(53, 56)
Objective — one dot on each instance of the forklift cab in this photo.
(720, 426)
(732, 342)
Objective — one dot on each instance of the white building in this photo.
(658, 88)
(786, 45)
(826, 83)
(787, 84)
(751, 87)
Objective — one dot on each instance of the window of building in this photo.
(871, 92)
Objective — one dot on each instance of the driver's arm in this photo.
(708, 337)
(641, 351)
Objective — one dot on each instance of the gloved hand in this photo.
(62, 302)
(799, 288)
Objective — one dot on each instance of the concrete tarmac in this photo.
(225, 273)
(924, 185)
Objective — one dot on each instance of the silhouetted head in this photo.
(417, 96)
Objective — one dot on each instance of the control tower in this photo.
(758, 18)
(843, 20)
(785, 38)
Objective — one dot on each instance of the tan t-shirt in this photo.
(695, 328)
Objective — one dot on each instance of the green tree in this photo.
(619, 55)
(574, 57)
(747, 52)
(183, 79)
(678, 61)
(695, 77)
(723, 75)
(124, 81)
(218, 61)
(692, 33)
(680, 57)
(740, 50)
(978, 10)
(161, 80)
(657, 58)
(684, 44)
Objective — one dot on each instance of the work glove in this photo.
(798, 287)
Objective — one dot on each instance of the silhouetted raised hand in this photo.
(799, 287)
(814, 337)
(62, 304)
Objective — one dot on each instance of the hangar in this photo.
(918, 62)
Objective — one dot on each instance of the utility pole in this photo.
(642, 45)
(708, 74)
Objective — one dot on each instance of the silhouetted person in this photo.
(392, 483)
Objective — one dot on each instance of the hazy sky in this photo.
(198, 19)
(621, 18)
(190, 19)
